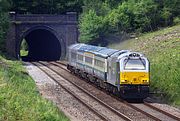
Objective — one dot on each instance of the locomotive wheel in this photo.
(115, 91)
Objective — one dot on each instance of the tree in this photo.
(168, 10)
(46, 6)
(144, 15)
(95, 5)
(91, 26)
(4, 22)
(134, 15)
(120, 17)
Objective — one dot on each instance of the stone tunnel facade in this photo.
(63, 27)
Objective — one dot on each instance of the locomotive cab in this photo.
(134, 76)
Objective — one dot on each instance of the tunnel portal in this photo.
(48, 36)
(43, 45)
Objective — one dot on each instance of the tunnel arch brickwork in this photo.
(64, 28)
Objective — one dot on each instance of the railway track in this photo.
(162, 111)
(145, 108)
(158, 115)
(83, 98)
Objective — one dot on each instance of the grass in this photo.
(163, 50)
(19, 98)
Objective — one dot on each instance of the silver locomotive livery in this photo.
(121, 72)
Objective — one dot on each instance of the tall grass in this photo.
(165, 74)
(163, 50)
(19, 98)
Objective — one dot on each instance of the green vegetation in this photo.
(91, 26)
(101, 17)
(46, 6)
(4, 22)
(23, 52)
(24, 48)
(19, 98)
(125, 16)
(163, 50)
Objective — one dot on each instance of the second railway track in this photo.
(144, 108)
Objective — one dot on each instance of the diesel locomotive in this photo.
(122, 72)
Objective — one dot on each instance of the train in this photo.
(122, 72)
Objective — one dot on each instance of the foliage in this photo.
(24, 45)
(162, 49)
(132, 15)
(88, 25)
(176, 20)
(24, 53)
(101, 7)
(24, 48)
(93, 22)
(46, 6)
(3, 29)
(4, 5)
(19, 98)
(166, 15)
(120, 17)
(4, 22)
(111, 15)
(144, 15)
(167, 11)
(91, 26)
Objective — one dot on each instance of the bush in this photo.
(4, 22)
(91, 26)
(176, 20)
(24, 45)
(126, 16)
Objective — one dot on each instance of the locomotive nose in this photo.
(134, 78)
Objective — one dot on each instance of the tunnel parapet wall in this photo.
(64, 27)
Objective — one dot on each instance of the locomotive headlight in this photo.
(123, 81)
(145, 81)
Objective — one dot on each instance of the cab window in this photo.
(134, 64)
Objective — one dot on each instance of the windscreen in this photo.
(134, 64)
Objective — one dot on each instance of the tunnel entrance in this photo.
(42, 45)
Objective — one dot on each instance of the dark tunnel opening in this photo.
(42, 46)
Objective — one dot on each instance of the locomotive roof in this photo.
(99, 51)
(75, 46)
(105, 52)
(89, 48)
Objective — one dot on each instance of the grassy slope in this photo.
(163, 50)
(19, 98)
